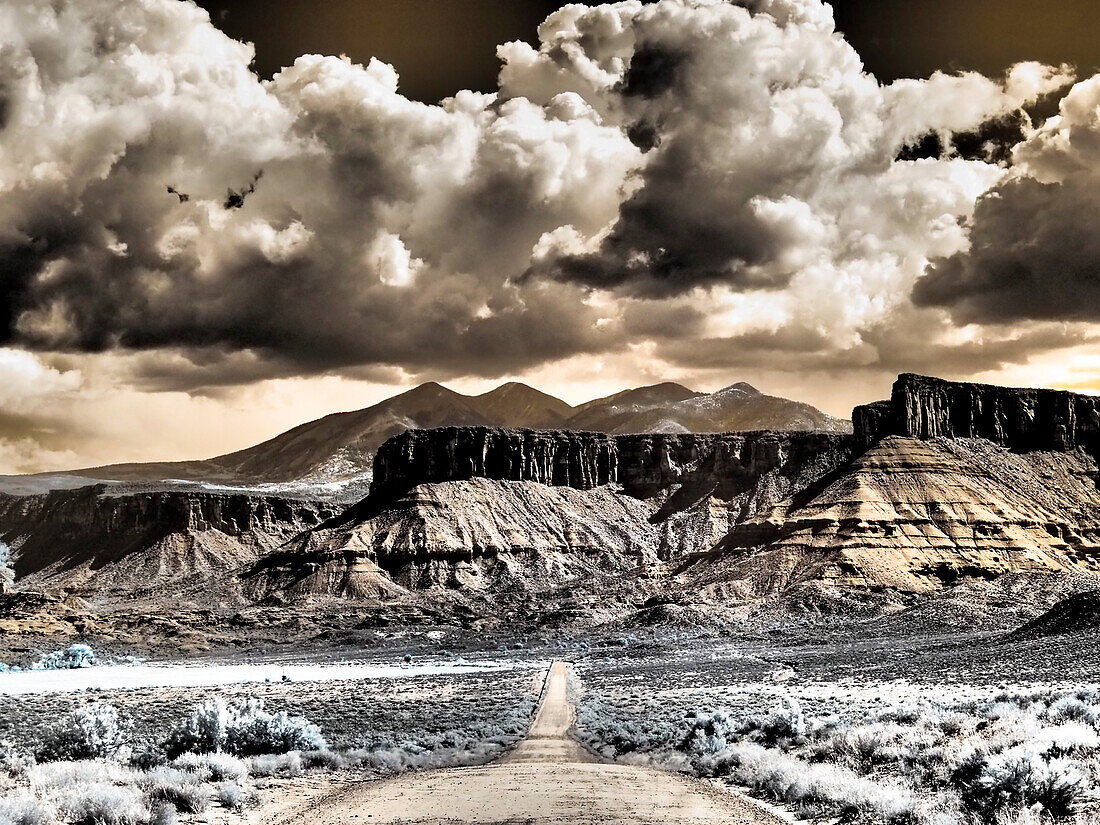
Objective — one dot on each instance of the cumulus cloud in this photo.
(767, 145)
(1034, 248)
(157, 195)
(683, 184)
(381, 230)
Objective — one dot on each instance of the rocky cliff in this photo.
(101, 542)
(1020, 419)
(478, 513)
(644, 465)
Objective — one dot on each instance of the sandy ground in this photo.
(547, 778)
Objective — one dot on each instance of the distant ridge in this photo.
(341, 446)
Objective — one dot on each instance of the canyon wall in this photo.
(92, 538)
(643, 464)
(1020, 419)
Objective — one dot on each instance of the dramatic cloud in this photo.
(688, 186)
(156, 195)
(767, 146)
(1034, 251)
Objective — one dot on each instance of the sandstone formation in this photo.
(497, 511)
(1020, 419)
(644, 465)
(918, 515)
(91, 540)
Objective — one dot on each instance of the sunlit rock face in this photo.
(1020, 419)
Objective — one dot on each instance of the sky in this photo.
(220, 220)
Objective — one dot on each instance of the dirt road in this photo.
(547, 778)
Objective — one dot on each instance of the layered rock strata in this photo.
(101, 542)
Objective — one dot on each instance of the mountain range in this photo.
(341, 446)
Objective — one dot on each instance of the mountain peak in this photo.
(512, 388)
(740, 388)
(429, 389)
(517, 405)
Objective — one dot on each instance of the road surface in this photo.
(547, 778)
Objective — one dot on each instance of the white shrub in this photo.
(243, 728)
(14, 761)
(287, 764)
(232, 796)
(180, 789)
(75, 656)
(90, 732)
(990, 784)
(22, 808)
(214, 767)
(101, 804)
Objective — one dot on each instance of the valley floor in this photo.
(675, 725)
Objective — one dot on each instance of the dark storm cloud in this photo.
(1035, 238)
(1034, 254)
(906, 342)
(653, 70)
(391, 234)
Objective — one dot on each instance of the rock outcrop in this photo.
(644, 465)
(918, 515)
(100, 542)
(496, 513)
(557, 458)
(1020, 419)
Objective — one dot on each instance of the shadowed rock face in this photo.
(644, 464)
(1020, 419)
(557, 458)
(93, 540)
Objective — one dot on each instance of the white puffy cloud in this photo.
(653, 186)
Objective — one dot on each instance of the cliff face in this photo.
(488, 514)
(644, 465)
(1020, 419)
(557, 458)
(94, 540)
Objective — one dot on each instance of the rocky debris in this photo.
(1079, 614)
(1020, 419)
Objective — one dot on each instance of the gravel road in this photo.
(547, 778)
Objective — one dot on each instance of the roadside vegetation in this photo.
(1019, 757)
(92, 767)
